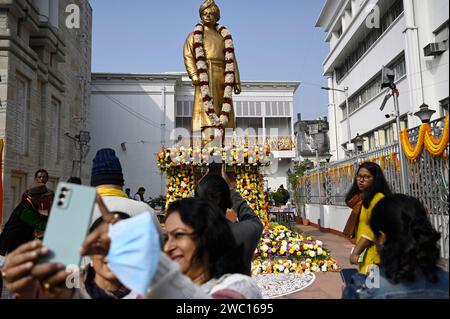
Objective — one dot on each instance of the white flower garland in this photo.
(202, 69)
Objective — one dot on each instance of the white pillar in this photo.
(332, 120)
(413, 60)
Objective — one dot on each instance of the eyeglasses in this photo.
(364, 178)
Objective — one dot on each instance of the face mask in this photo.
(134, 253)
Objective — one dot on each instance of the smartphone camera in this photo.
(62, 196)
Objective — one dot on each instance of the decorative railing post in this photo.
(308, 189)
(328, 187)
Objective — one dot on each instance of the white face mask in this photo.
(135, 251)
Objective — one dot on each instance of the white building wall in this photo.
(276, 175)
(430, 16)
(423, 74)
(131, 114)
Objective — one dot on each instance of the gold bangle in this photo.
(46, 286)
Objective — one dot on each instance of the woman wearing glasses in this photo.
(368, 188)
(200, 260)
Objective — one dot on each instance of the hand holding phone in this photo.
(98, 242)
(347, 274)
(68, 223)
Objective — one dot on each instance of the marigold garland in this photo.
(434, 147)
(202, 67)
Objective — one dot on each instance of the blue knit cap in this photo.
(106, 168)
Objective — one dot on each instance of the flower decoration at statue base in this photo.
(185, 165)
(240, 156)
(180, 185)
(282, 250)
(250, 185)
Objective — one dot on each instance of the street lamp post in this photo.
(82, 139)
(424, 114)
(359, 142)
(388, 81)
(349, 131)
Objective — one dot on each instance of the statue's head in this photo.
(209, 12)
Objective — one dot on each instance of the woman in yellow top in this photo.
(370, 187)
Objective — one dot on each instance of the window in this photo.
(179, 108)
(287, 108)
(281, 109)
(183, 122)
(268, 109)
(258, 109)
(17, 187)
(238, 108)
(444, 107)
(55, 129)
(385, 135)
(21, 115)
(187, 108)
(392, 14)
(274, 109)
(281, 124)
(389, 134)
(184, 108)
(252, 108)
(245, 109)
(249, 122)
(373, 88)
(338, 32)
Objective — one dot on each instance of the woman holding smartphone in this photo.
(200, 259)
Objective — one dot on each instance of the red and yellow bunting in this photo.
(434, 147)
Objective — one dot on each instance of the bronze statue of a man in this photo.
(211, 65)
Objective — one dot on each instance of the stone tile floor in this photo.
(327, 285)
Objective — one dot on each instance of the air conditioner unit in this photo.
(434, 49)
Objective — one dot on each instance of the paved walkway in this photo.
(327, 285)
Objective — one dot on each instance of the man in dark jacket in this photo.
(247, 231)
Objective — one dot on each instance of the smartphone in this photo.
(347, 274)
(68, 224)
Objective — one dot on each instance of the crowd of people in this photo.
(204, 254)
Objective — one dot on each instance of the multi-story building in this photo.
(409, 37)
(45, 62)
(311, 138)
(143, 111)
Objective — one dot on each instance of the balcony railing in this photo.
(277, 143)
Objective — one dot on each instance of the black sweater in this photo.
(20, 227)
